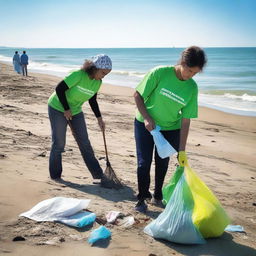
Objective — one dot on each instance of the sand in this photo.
(221, 148)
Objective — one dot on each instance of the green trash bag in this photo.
(192, 212)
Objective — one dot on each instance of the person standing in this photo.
(16, 62)
(24, 63)
(167, 96)
(65, 108)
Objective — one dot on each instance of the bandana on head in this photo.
(102, 61)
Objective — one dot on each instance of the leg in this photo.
(59, 127)
(81, 136)
(23, 69)
(144, 148)
(173, 138)
(26, 70)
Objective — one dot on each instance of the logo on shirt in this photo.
(172, 96)
(86, 91)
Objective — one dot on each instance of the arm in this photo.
(61, 93)
(184, 133)
(95, 108)
(149, 122)
(182, 157)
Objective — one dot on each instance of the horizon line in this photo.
(146, 47)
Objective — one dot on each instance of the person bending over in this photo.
(167, 96)
(65, 107)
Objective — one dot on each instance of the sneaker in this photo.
(148, 198)
(141, 206)
(157, 203)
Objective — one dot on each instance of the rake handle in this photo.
(105, 145)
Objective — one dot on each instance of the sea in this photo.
(227, 83)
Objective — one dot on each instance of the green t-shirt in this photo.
(81, 89)
(168, 99)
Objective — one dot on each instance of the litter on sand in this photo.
(97, 234)
(62, 209)
(79, 220)
(117, 218)
(234, 228)
(111, 216)
(126, 221)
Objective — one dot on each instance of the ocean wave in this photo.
(244, 97)
(235, 95)
(52, 67)
(5, 59)
(128, 73)
(52, 57)
(238, 104)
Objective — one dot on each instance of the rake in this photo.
(109, 172)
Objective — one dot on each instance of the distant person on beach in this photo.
(65, 108)
(24, 63)
(167, 96)
(16, 62)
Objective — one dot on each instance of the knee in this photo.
(84, 144)
(144, 166)
(58, 147)
(162, 162)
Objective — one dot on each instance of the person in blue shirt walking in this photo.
(24, 63)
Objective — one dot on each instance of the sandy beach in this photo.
(221, 149)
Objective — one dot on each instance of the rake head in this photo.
(113, 181)
(110, 179)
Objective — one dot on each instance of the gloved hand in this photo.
(182, 158)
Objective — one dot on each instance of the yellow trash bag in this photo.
(192, 212)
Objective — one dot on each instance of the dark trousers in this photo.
(145, 147)
(24, 69)
(59, 128)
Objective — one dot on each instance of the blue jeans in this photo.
(144, 147)
(59, 128)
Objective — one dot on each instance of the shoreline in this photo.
(214, 115)
(238, 112)
(220, 149)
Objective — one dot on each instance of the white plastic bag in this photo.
(164, 148)
(111, 216)
(56, 209)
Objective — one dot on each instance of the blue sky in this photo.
(131, 23)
